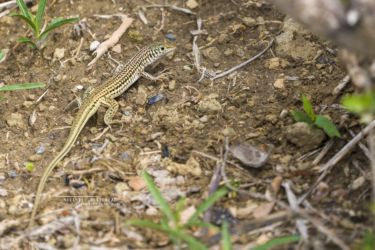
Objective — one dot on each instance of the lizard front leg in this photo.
(148, 76)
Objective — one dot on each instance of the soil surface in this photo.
(97, 187)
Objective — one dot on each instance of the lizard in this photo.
(103, 95)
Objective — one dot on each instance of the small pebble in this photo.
(35, 157)
(124, 156)
(2, 177)
(154, 99)
(170, 37)
(12, 174)
(191, 4)
(283, 113)
(3, 192)
(172, 85)
(164, 151)
(41, 149)
(58, 54)
(94, 45)
(279, 83)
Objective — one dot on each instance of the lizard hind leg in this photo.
(112, 106)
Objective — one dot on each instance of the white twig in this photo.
(142, 17)
(115, 37)
(227, 72)
(342, 84)
(186, 11)
(292, 199)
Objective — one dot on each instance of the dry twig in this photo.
(115, 37)
(227, 72)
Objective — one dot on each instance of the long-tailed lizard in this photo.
(103, 95)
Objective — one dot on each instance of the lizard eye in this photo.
(162, 48)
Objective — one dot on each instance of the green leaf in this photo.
(327, 125)
(308, 108)
(39, 15)
(22, 86)
(360, 103)
(29, 166)
(158, 197)
(177, 234)
(207, 204)
(300, 116)
(2, 55)
(24, 10)
(27, 40)
(225, 235)
(368, 241)
(277, 242)
(27, 20)
(57, 22)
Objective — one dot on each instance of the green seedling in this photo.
(29, 166)
(308, 116)
(362, 104)
(36, 23)
(171, 223)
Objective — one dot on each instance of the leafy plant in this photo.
(171, 223)
(362, 104)
(35, 23)
(308, 116)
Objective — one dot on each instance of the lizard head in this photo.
(158, 50)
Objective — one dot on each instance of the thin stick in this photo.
(227, 72)
(342, 84)
(186, 11)
(334, 160)
(322, 153)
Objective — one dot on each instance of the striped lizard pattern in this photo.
(103, 95)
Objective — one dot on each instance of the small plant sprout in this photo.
(29, 166)
(36, 23)
(308, 116)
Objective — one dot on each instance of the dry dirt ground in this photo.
(250, 106)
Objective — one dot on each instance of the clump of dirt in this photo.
(178, 139)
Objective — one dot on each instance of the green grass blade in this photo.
(191, 241)
(158, 197)
(22, 86)
(27, 20)
(225, 235)
(39, 15)
(24, 10)
(27, 40)
(300, 116)
(327, 125)
(2, 55)
(307, 106)
(277, 242)
(207, 204)
(57, 23)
